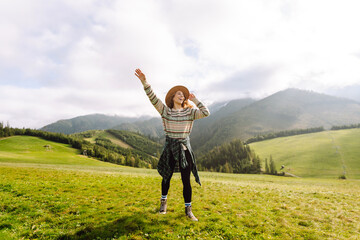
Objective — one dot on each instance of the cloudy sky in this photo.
(61, 59)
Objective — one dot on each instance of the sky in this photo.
(62, 59)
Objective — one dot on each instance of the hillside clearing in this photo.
(327, 154)
(105, 134)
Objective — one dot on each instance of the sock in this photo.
(163, 196)
(188, 204)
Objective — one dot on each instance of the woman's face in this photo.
(179, 97)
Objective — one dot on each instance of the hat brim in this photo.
(172, 92)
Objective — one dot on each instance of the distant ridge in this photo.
(241, 118)
(87, 122)
(152, 127)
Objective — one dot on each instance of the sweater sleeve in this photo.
(201, 112)
(156, 102)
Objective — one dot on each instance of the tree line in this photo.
(101, 150)
(270, 168)
(5, 131)
(285, 133)
(346, 127)
(232, 157)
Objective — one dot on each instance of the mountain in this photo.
(241, 118)
(217, 106)
(203, 129)
(284, 110)
(151, 128)
(87, 122)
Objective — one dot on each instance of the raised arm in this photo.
(156, 102)
(202, 111)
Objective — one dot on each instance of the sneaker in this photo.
(163, 205)
(189, 213)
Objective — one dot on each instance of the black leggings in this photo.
(185, 177)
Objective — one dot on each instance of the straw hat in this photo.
(173, 90)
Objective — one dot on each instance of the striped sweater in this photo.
(177, 123)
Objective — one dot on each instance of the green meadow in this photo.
(26, 149)
(327, 154)
(58, 194)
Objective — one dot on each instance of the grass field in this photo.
(44, 199)
(326, 154)
(26, 149)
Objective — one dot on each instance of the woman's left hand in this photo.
(191, 97)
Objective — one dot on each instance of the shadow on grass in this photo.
(137, 223)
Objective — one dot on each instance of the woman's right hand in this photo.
(140, 75)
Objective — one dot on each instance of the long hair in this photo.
(185, 103)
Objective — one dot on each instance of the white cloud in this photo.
(46, 105)
(80, 55)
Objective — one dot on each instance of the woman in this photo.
(177, 116)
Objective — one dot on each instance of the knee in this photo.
(186, 182)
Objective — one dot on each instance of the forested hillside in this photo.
(152, 128)
(137, 141)
(87, 122)
(205, 128)
(233, 157)
(124, 139)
